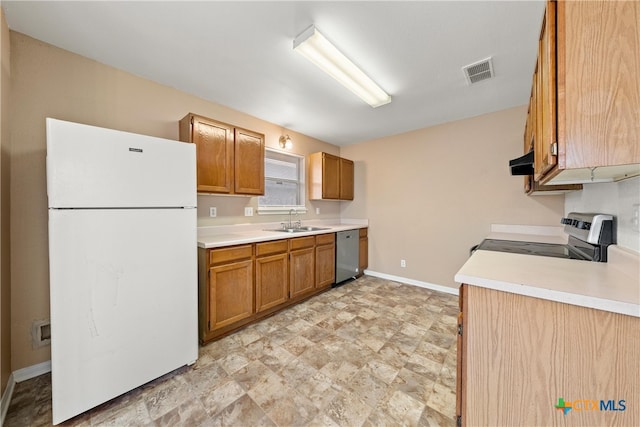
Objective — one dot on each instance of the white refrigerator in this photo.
(122, 262)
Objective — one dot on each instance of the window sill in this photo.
(280, 210)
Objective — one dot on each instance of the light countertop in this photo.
(612, 286)
(228, 235)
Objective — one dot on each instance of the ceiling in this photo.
(239, 54)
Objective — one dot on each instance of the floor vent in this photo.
(478, 71)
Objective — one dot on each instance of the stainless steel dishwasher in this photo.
(347, 254)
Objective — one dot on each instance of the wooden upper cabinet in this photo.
(249, 162)
(214, 152)
(533, 128)
(529, 129)
(346, 179)
(330, 177)
(230, 160)
(588, 93)
(545, 103)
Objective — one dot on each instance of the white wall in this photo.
(615, 198)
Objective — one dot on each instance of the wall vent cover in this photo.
(478, 71)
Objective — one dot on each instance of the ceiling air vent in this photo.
(478, 71)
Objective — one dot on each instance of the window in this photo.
(283, 183)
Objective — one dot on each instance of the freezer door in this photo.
(123, 292)
(92, 167)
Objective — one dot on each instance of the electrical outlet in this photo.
(403, 263)
(213, 212)
(635, 217)
(248, 211)
(317, 211)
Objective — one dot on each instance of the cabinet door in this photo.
(325, 265)
(249, 162)
(530, 129)
(214, 154)
(330, 176)
(346, 179)
(230, 293)
(598, 84)
(546, 118)
(461, 371)
(363, 254)
(301, 271)
(272, 281)
(537, 351)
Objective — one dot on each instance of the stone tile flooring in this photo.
(369, 353)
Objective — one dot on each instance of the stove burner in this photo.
(532, 248)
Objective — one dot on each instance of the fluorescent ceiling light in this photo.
(317, 49)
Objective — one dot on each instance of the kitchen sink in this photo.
(298, 230)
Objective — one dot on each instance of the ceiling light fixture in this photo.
(317, 49)
(286, 142)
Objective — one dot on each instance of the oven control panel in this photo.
(593, 228)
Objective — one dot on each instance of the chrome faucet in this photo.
(298, 223)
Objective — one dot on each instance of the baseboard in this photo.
(427, 285)
(32, 371)
(6, 399)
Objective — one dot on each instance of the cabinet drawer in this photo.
(302, 242)
(268, 248)
(234, 253)
(325, 239)
(363, 232)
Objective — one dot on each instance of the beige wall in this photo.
(50, 82)
(5, 258)
(433, 193)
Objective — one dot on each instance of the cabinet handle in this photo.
(554, 149)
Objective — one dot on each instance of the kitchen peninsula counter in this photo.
(549, 333)
(228, 235)
(613, 286)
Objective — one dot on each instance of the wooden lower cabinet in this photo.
(364, 250)
(229, 292)
(325, 260)
(302, 266)
(238, 285)
(520, 357)
(272, 270)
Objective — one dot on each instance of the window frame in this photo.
(283, 209)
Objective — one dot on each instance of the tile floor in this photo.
(369, 353)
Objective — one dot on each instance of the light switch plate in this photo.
(213, 212)
(248, 211)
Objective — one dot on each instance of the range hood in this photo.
(522, 165)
